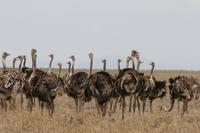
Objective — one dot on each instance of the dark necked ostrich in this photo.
(115, 95)
(183, 89)
(75, 86)
(100, 87)
(126, 82)
(41, 85)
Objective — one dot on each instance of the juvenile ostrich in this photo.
(47, 88)
(99, 86)
(126, 83)
(41, 85)
(14, 60)
(183, 89)
(66, 77)
(49, 70)
(75, 86)
(127, 61)
(5, 92)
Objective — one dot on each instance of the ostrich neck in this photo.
(24, 64)
(133, 64)
(4, 63)
(91, 63)
(33, 67)
(127, 63)
(20, 64)
(104, 66)
(151, 74)
(73, 62)
(138, 65)
(59, 71)
(13, 65)
(69, 69)
(49, 71)
(118, 66)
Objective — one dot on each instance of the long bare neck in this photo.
(59, 70)
(91, 63)
(151, 74)
(138, 64)
(34, 65)
(73, 62)
(127, 63)
(49, 71)
(118, 66)
(69, 69)
(20, 65)
(104, 66)
(4, 63)
(24, 64)
(13, 64)
(133, 63)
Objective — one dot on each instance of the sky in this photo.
(166, 32)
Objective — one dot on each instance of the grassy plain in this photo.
(65, 119)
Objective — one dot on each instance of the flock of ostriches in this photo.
(105, 89)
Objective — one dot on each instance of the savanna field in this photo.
(66, 119)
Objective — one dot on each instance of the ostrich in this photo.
(183, 89)
(47, 88)
(99, 86)
(14, 60)
(73, 62)
(116, 96)
(104, 64)
(66, 77)
(49, 70)
(5, 93)
(126, 83)
(136, 54)
(75, 86)
(127, 61)
(119, 60)
(41, 85)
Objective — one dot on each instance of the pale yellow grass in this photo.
(65, 119)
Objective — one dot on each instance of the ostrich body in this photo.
(75, 86)
(41, 85)
(99, 86)
(126, 83)
(183, 89)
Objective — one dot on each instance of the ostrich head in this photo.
(14, 59)
(152, 64)
(91, 55)
(33, 51)
(20, 57)
(51, 55)
(128, 58)
(69, 63)
(5, 54)
(24, 56)
(119, 60)
(134, 52)
(72, 57)
(60, 64)
(140, 62)
(104, 60)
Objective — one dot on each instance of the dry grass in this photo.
(65, 119)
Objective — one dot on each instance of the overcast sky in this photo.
(166, 32)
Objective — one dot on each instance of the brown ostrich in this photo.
(41, 85)
(5, 92)
(66, 77)
(75, 86)
(126, 83)
(14, 60)
(183, 89)
(100, 87)
(49, 70)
